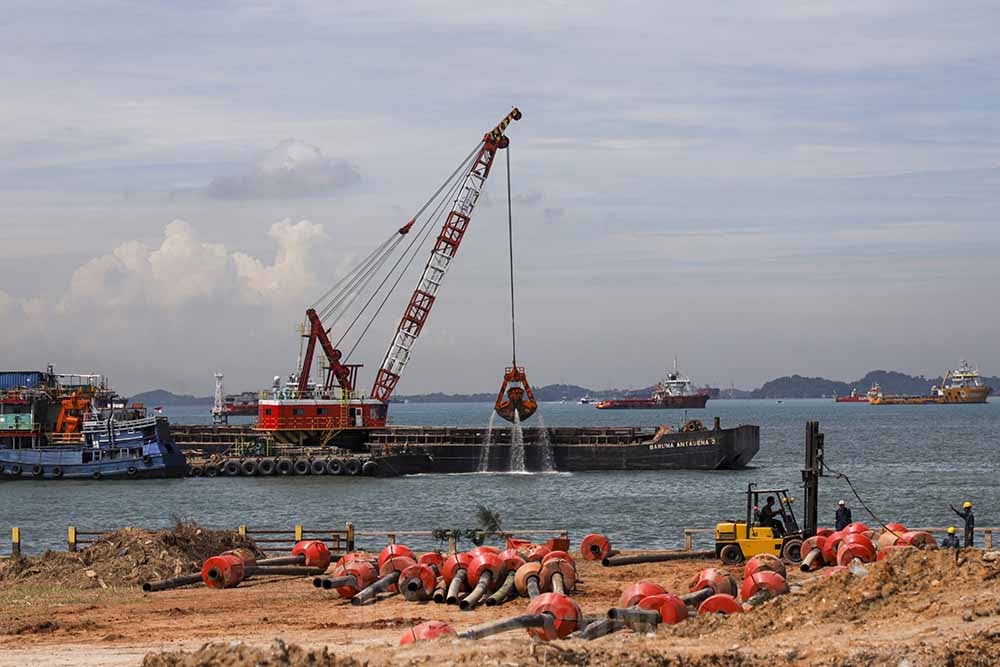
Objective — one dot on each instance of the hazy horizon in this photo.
(760, 191)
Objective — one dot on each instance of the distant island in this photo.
(788, 386)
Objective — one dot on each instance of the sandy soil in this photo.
(919, 606)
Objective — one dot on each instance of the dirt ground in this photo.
(916, 608)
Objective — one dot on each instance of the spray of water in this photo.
(545, 446)
(517, 445)
(484, 453)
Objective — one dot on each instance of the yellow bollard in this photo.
(298, 532)
(350, 536)
(242, 530)
(15, 542)
(71, 538)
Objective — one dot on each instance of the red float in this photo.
(637, 591)
(761, 581)
(720, 603)
(856, 545)
(836, 569)
(223, 571)
(426, 631)
(559, 554)
(671, 608)
(538, 553)
(432, 559)
(565, 614)
(830, 547)
(395, 564)
(918, 539)
(715, 579)
(511, 560)
(595, 547)
(315, 553)
(364, 573)
(762, 562)
(856, 527)
(453, 564)
(812, 553)
(561, 566)
(824, 532)
(394, 550)
(484, 562)
(416, 582)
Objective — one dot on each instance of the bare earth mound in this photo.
(125, 557)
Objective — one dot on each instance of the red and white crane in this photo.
(309, 413)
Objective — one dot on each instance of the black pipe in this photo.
(640, 620)
(601, 627)
(655, 558)
(473, 598)
(413, 589)
(286, 571)
(695, 598)
(457, 582)
(503, 625)
(380, 585)
(807, 562)
(283, 560)
(174, 582)
(502, 593)
(327, 583)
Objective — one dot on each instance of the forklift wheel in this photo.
(731, 554)
(792, 551)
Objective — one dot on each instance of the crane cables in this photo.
(510, 245)
(339, 301)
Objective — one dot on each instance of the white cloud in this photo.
(291, 169)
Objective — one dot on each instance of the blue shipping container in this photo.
(21, 379)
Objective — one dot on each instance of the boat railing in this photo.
(104, 426)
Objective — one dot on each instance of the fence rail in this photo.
(270, 540)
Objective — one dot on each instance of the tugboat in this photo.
(76, 427)
(673, 392)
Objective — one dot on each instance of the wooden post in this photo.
(452, 544)
(71, 538)
(688, 540)
(392, 537)
(987, 539)
(298, 532)
(15, 542)
(350, 536)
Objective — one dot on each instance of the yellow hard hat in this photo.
(951, 530)
(966, 505)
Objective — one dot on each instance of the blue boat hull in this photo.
(116, 455)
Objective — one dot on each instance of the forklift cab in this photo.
(737, 541)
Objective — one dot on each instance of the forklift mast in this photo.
(810, 477)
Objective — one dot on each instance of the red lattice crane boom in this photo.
(445, 248)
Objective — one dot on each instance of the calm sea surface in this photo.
(907, 462)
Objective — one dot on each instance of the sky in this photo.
(757, 188)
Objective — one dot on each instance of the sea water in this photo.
(907, 462)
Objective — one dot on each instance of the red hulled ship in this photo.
(853, 397)
(674, 392)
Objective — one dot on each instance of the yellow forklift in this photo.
(737, 541)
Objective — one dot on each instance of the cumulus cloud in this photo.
(290, 170)
(185, 270)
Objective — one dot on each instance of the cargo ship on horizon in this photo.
(674, 392)
(853, 397)
(962, 385)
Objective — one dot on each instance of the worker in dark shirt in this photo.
(843, 517)
(970, 521)
(768, 517)
(951, 541)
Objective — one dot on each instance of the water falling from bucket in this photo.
(484, 453)
(545, 446)
(517, 445)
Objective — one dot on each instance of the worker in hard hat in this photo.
(843, 517)
(768, 516)
(951, 540)
(969, 519)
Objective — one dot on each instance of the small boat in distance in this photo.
(853, 397)
(584, 400)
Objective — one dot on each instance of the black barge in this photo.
(410, 450)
